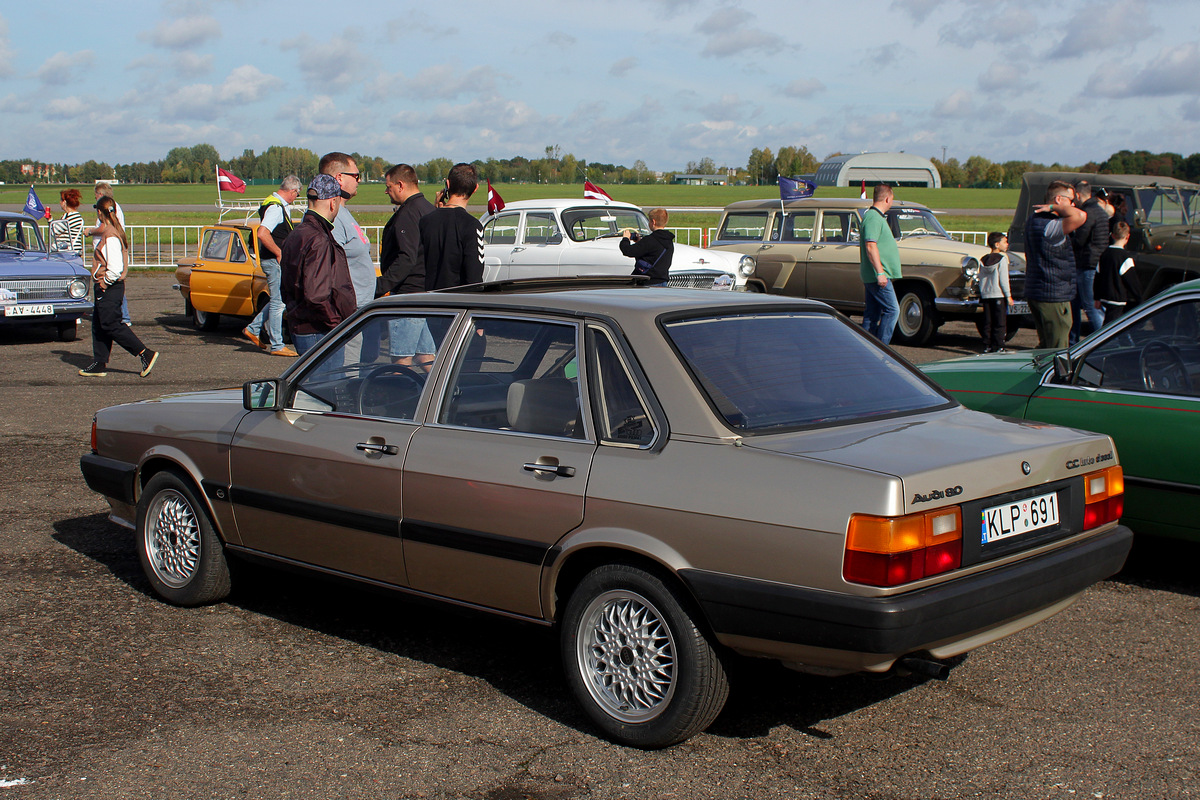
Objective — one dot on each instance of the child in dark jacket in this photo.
(1117, 288)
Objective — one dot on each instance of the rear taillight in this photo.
(93, 434)
(1104, 497)
(889, 551)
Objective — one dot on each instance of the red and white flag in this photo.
(864, 190)
(230, 182)
(594, 192)
(495, 201)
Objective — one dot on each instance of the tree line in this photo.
(197, 164)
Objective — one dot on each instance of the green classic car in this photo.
(1138, 380)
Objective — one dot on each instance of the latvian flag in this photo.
(230, 182)
(594, 192)
(495, 201)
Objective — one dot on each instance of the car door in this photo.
(499, 472)
(833, 261)
(499, 244)
(539, 249)
(320, 482)
(1139, 382)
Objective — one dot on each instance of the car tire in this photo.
(205, 320)
(916, 324)
(178, 547)
(68, 331)
(637, 661)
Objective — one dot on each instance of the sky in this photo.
(663, 81)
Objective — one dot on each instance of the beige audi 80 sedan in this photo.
(667, 478)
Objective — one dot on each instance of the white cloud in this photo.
(917, 10)
(621, 68)
(730, 107)
(248, 84)
(1094, 27)
(1003, 26)
(183, 33)
(444, 81)
(59, 69)
(1003, 76)
(67, 108)
(729, 34)
(329, 63)
(320, 116)
(803, 88)
(1173, 71)
(561, 40)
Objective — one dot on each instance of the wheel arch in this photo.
(177, 463)
(577, 559)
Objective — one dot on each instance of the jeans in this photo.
(269, 319)
(303, 342)
(881, 311)
(1084, 305)
(125, 318)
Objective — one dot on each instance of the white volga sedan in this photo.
(568, 237)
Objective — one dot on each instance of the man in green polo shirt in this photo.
(879, 266)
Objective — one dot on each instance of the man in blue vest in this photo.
(273, 228)
(1050, 264)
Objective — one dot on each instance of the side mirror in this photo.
(262, 395)
(1062, 366)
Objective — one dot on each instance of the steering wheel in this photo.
(391, 390)
(1163, 369)
(918, 232)
(14, 243)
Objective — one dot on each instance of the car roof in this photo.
(813, 202)
(561, 203)
(16, 215)
(562, 296)
(1043, 179)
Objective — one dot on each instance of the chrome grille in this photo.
(38, 290)
(691, 280)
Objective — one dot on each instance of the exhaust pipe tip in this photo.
(924, 667)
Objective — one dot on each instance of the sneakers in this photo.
(93, 370)
(284, 351)
(148, 358)
(254, 340)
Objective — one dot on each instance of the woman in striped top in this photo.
(68, 229)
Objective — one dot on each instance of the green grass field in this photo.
(673, 196)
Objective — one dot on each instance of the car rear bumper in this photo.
(896, 625)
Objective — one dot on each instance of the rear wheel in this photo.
(637, 662)
(205, 320)
(177, 544)
(916, 325)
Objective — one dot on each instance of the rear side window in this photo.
(620, 412)
(745, 227)
(767, 373)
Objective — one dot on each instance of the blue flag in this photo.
(795, 190)
(33, 206)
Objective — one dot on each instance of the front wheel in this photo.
(68, 331)
(177, 545)
(636, 661)
(916, 325)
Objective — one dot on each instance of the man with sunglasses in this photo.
(348, 234)
(1050, 280)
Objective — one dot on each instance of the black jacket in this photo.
(649, 248)
(1090, 239)
(453, 243)
(401, 258)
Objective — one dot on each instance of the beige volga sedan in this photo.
(668, 478)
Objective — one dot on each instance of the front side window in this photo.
(216, 245)
(238, 255)
(376, 370)
(600, 222)
(1159, 353)
(767, 373)
(19, 235)
(798, 227)
(516, 375)
(501, 229)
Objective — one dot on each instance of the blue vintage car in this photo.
(39, 284)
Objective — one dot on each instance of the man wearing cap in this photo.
(315, 282)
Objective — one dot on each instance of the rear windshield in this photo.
(767, 373)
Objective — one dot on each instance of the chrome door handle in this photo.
(550, 469)
(383, 449)
(517, 249)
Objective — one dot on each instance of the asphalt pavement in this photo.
(300, 688)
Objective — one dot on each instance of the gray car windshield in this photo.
(915, 222)
(767, 373)
(585, 224)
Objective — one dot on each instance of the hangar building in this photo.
(897, 169)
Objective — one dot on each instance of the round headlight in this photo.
(77, 289)
(970, 267)
(746, 266)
